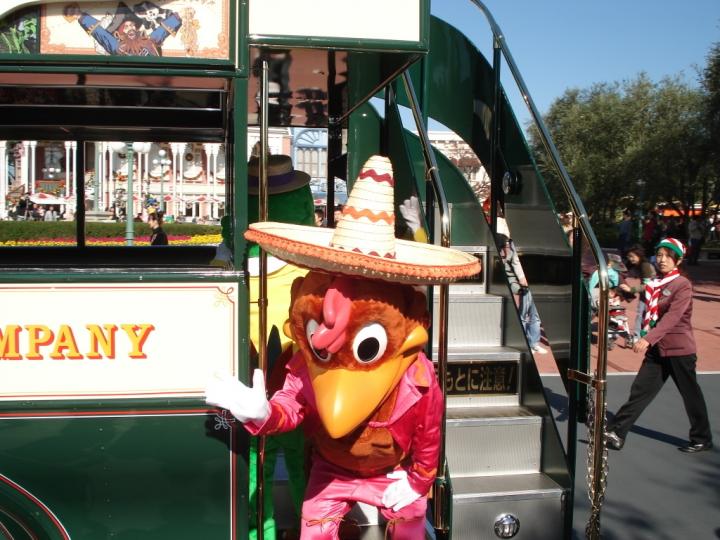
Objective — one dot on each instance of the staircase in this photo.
(509, 474)
(493, 444)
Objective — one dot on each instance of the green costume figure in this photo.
(289, 200)
(223, 252)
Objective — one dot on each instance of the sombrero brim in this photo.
(298, 180)
(415, 263)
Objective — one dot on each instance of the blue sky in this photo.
(561, 44)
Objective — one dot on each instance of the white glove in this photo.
(399, 494)
(410, 210)
(223, 257)
(244, 403)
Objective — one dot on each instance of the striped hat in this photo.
(363, 243)
(671, 243)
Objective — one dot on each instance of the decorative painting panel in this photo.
(168, 28)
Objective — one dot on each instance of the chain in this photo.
(592, 529)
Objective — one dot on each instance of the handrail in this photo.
(433, 175)
(599, 379)
(262, 290)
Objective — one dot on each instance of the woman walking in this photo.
(646, 272)
(669, 346)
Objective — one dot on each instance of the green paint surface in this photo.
(134, 478)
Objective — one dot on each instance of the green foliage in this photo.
(711, 84)
(35, 230)
(606, 234)
(18, 33)
(632, 144)
(31, 230)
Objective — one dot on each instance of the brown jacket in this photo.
(673, 332)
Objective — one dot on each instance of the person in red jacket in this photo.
(669, 346)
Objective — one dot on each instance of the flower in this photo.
(176, 240)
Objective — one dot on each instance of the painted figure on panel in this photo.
(137, 31)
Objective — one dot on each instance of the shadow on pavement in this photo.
(658, 436)
(653, 491)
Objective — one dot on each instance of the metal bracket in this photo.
(588, 380)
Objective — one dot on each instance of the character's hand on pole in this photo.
(399, 494)
(244, 403)
(412, 214)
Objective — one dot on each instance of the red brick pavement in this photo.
(706, 324)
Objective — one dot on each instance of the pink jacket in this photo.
(414, 422)
(673, 332)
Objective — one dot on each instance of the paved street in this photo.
(655, 492)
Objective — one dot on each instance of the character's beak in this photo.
(345, 398)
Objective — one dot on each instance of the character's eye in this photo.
(320, 354)
(370, 343)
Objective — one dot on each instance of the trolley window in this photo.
(129, 172)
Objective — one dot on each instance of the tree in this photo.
(594, 130)
(677, 147)
(630, 141)
(711, 84)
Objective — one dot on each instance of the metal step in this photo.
(483, 353)
(474, 318)
(490, 400)
(487, 376)
(493, 441)
(535, 500)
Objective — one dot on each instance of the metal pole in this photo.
(574, 387)
(98, 183)
(162, 186)
(129, 207)
(444, 296)
(640, 210)
(3, 179)
(598, 379)
(262, 293)
(494, 139)
(334, 148)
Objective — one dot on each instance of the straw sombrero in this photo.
(363, 243)
(282, 177)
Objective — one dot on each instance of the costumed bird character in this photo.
(360, 384)
(290, 200)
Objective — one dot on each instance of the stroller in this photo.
(618, 325)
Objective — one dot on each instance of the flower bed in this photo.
(178, 240)
(62, 233)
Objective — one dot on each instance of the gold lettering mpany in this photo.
(92, 342)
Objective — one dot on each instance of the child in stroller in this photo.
(618, 325)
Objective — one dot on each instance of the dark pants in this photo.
(694, 251)
(650, 379)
